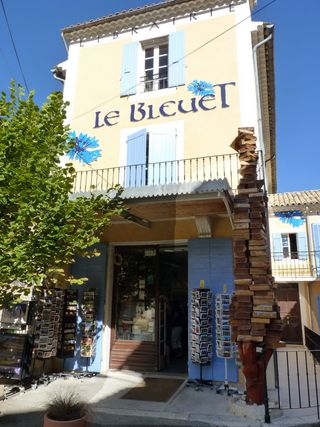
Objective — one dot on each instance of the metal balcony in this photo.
(302, 264)
(200, 169)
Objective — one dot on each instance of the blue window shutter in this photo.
(277, 247)
(176, 59)
(129, 69)
(136, 159)
(162, 156)
(302, 246)
(316, 245)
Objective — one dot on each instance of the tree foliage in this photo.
(41, 228)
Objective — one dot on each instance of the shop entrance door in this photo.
(149, 320)
(288, 299)
(173, 309)
(134, 322)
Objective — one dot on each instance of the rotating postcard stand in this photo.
(201, 333)
(224, 346)
(88, 326)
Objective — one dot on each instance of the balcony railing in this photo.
(198, 169)
(304, 264)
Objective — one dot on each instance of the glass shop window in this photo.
(135, 294)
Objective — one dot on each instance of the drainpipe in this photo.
(256, 78)
(65, 43)
(259, 118)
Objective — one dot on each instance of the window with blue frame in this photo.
(289, 245)
(163, 64)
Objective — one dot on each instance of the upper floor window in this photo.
(156, 67)
(162, 64)
(289, 245)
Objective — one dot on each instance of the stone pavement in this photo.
(187, 407)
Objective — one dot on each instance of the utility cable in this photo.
(183, 57)
(14, 46)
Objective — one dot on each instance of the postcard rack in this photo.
(225, 348)
(68, 332)
(88, 325)
(48, 323)
(201, 331)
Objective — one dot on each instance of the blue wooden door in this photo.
(211, 260)
(95, 270)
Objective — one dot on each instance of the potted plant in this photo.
(66, 411)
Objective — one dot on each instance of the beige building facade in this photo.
(157, 95)
(294, 221)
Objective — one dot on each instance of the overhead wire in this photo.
(14, 46)
(183, 57)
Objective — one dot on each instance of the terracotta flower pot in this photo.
(80, 422)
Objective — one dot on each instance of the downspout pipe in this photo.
(256, 78)
(260, 128)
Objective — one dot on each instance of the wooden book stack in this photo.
(254, 311)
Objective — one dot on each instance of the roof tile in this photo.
(297, 198)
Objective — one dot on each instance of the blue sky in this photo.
(36, 25)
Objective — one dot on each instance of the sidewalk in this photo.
(187, 407)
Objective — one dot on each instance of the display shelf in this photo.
(15, 355)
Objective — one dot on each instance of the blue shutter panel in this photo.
(277, 247)
(129, 69)
(176, 59)
(162, 156)
(316, 245)
(136, 159)
(302, 246)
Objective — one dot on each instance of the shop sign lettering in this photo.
(141, 111)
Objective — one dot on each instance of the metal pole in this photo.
(266, 399)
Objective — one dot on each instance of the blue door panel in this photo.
(95, 270)
(211, 260)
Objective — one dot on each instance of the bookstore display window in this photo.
(135, 295)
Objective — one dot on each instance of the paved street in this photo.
(104, 394)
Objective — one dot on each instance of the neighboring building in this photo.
(294, 220)
(157, 95)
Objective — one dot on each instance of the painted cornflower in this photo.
(201, 88)
(294, 218)
(82, 151)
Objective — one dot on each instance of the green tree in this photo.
(41, 228)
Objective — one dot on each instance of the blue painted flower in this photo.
(82, 151)
(294, 218)
(201, 88)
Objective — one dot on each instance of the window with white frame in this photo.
(160, 65)
(156, 66)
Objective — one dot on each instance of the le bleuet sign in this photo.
(142, 111)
